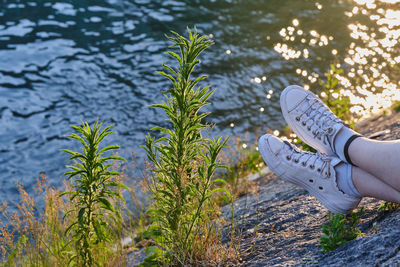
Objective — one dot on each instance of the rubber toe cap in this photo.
(292, 96)
(270, 143)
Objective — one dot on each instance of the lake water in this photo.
(66, 61)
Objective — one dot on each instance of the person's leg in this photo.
(339, 186)
(379, 158)
(370, 186)
(317, 126)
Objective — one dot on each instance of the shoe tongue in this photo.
(306, 106)
(335, 130)
(289, 146)
(335, 161)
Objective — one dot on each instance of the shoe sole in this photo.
(321, 198)
(296, 128)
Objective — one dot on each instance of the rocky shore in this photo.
(281, 223)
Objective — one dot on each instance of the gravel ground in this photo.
(281, 223)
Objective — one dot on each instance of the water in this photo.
(67, 61)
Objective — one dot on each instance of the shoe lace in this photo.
(319, 120)
(309, 159)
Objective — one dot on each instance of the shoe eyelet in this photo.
(303, 163)
(312, 167)
(309, 128)
(311, 181)
(297, 118)
(318, 170)
(304, 123)
(296, 161)
(288, 157)
(320, 188)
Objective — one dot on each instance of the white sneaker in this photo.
(310, 118)
(313, 172)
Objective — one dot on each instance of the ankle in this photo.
(342, 142)
(347, 146)
(344, 178)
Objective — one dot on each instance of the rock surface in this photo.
(281, 223)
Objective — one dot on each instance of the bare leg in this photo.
(379, 158)
(370, 186)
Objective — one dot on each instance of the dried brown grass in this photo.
(29, 237)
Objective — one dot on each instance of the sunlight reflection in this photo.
(370, 62)
(377, 90)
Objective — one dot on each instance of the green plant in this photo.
(396, 106)
(184, 163)
(92, 193)
(340, 230)
(388, 206)
(287, 131)
(304, 146)
(331, 95)
(34, 235)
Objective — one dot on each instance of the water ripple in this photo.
(73, 60)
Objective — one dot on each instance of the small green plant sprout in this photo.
(92, 193)
(332, 96)
(388, 206)
(287, 131)
(184, 163)
(304, 146)
(340, 230)
(396, 106)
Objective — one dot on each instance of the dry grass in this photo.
(29, 237)
(33, 236)
(242, 159)
(136, 220)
